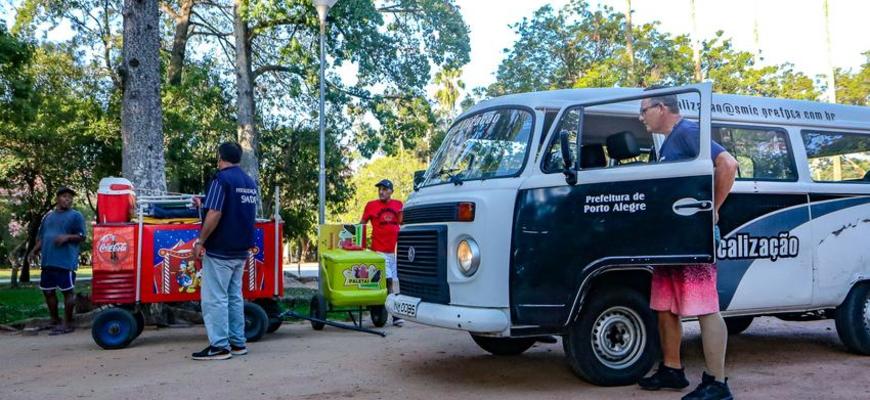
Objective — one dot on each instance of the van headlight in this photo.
(468, 256)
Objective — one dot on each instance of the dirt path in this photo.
(772, 360)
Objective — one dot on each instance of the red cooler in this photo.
(115, 200)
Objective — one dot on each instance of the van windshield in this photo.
(485, 145)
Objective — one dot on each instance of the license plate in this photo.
(407, 308)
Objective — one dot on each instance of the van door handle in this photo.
(688, 206)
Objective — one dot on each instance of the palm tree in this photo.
(448, 91)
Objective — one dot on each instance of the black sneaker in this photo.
(665, 378)
(238, 350)
(710, 389)
(212, 353)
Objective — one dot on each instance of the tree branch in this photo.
(274, 68)
(169, 10)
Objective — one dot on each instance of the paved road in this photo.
(772, 360)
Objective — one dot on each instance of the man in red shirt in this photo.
(385, 216)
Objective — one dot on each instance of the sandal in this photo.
(61, 331)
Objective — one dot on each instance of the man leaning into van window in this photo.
(688, 291)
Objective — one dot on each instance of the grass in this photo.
(27, 301)
(6, 273)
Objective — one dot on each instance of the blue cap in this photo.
(385, 183)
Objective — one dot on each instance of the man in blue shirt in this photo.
(225, 240)
(57, 243)
(688, 291)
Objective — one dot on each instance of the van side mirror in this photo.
(567, 160)
(418, 179)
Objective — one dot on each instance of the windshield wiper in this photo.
(454, 179)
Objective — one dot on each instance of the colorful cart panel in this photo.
(169, 271)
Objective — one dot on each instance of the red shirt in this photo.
(385, 217)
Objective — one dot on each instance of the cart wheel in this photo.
(379, 315)
(114, 328)
(317, 310)
(140, 323)
(273, 312)
(256, 322)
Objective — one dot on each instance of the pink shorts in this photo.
(687, 291)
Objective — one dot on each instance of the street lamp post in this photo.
(322, 7)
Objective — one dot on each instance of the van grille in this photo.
(442, 212)
(426, 275)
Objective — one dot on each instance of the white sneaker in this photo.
(398, 322)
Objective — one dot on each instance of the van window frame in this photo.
(550, 143)
(529, 142)
(584, 106)
(788, 146)
(830, 132)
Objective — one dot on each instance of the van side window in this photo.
(762, 154)
(837, 156)
(553, 157)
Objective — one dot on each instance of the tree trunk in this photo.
(179, 42)
(141, 114)
(696, 44)
(245, 107)
(629, 42)
(34, 220)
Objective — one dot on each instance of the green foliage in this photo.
(198, 116)
(578, 47)
(65, 139)
(398, 168)
(289, 160)
(393, 47)
(854, 88)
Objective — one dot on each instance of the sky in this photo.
(789, 30)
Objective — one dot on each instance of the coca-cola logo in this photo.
(112, 249)
(108, 244)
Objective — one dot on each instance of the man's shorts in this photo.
(390, 264)
(57, 278)
(687, 291)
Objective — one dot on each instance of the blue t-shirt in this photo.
(684, 141)
(234, 194)
(54, 224)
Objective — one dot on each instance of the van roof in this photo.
(726, 107)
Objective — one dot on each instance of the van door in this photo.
(622, 211)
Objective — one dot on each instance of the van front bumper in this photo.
(471, 319)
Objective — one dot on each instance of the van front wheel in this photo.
(614, 341)
(853, 320)
(503, 346)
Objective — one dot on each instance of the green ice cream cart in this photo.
(351, 277)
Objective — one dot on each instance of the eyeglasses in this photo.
(644, 109)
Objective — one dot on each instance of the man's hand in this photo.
(61, 239)
(198, 250)
(197, 201)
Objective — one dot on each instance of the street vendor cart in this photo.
(352, 278)
(146, 260)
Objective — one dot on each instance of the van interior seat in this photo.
(592, 156)
(622, 146)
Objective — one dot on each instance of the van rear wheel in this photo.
(501, 346)
(853, 320)
(614, 341)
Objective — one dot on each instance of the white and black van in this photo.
(544, 213)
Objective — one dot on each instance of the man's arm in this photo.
(36, 248)
(723, 179)
(214, 202)
(77, 236)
